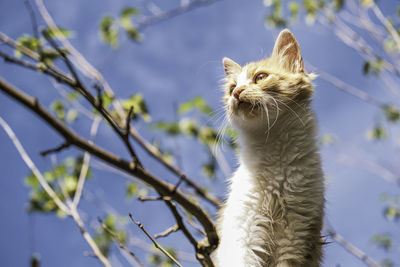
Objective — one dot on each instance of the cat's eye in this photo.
(260, 77)
(232, 88)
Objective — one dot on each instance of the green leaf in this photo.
(189, 127)
(29, 42)
(378, 133)
(105, 101)
(59, 109)
(70, 183)
(197, 102)
(294, 9)
(209, 169)
(66, 33)
(129, 11)
(338, 4)
(35, 260)
(143, 192)
(373, 67)
(383, 241)
(168, 157)
(110, 221)
(139, 107)
(208, 136)
(392, 113)
(392, 213)
(313, 6)
(387, 263)
(327, 139)
(48, 56)
(108, 31)
(170, 128)
(73, 96)
(367, 3)
(72, 114)
(366, 67)
(32, 181)
(131, 190)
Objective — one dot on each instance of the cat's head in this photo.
(255, 93)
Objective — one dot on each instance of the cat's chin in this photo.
(246, 116)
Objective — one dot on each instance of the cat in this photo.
(274, 211)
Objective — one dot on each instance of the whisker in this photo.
(294, 112)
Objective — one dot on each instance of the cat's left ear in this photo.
(230, 66)
(287, 52)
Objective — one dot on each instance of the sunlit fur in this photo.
(274, 211)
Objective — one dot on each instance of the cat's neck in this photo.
(293, 132)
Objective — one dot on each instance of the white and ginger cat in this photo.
(274, 212)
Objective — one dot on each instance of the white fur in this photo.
(242, 79)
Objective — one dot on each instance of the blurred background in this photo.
(171, 68)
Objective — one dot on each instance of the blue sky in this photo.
(176, 61)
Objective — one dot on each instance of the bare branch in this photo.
(60, 204)
(166, 253)
(160, 186)
(55, 150)
(120, 243)
(85, 164)
(203, 256)
(88, 238)
(387, 24)
(33, 18)
(351, 248)
(67, 210)
(27, 52)
(167, 232)
(147, 21)
(346, 87)
(85, 67)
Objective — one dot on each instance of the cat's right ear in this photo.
(230, 66)
(287, 51)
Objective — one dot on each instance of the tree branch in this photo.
(160, 186)
(351, 248)
(166, 253)
(60, 204)
(203, 256)
(85, 163)
(55, 150)
(120, 243)
(71, 211)
(85, 67)
(148, 21)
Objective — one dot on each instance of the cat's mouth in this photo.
(245, 108)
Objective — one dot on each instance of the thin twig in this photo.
(161, 187)
(346, 87)
(167, 231)
(351, 248)
(151, 20)
(387, 24)
(55, 150)
(203, 256)
(33, 18)
(60, 204)
(85, 67)
(120, 243)
(97, 252)
(69, 211)
(156, 244)
(85, 163)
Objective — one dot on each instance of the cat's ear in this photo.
(287, 52)
(230, 66)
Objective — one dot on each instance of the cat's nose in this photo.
(237, 92)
